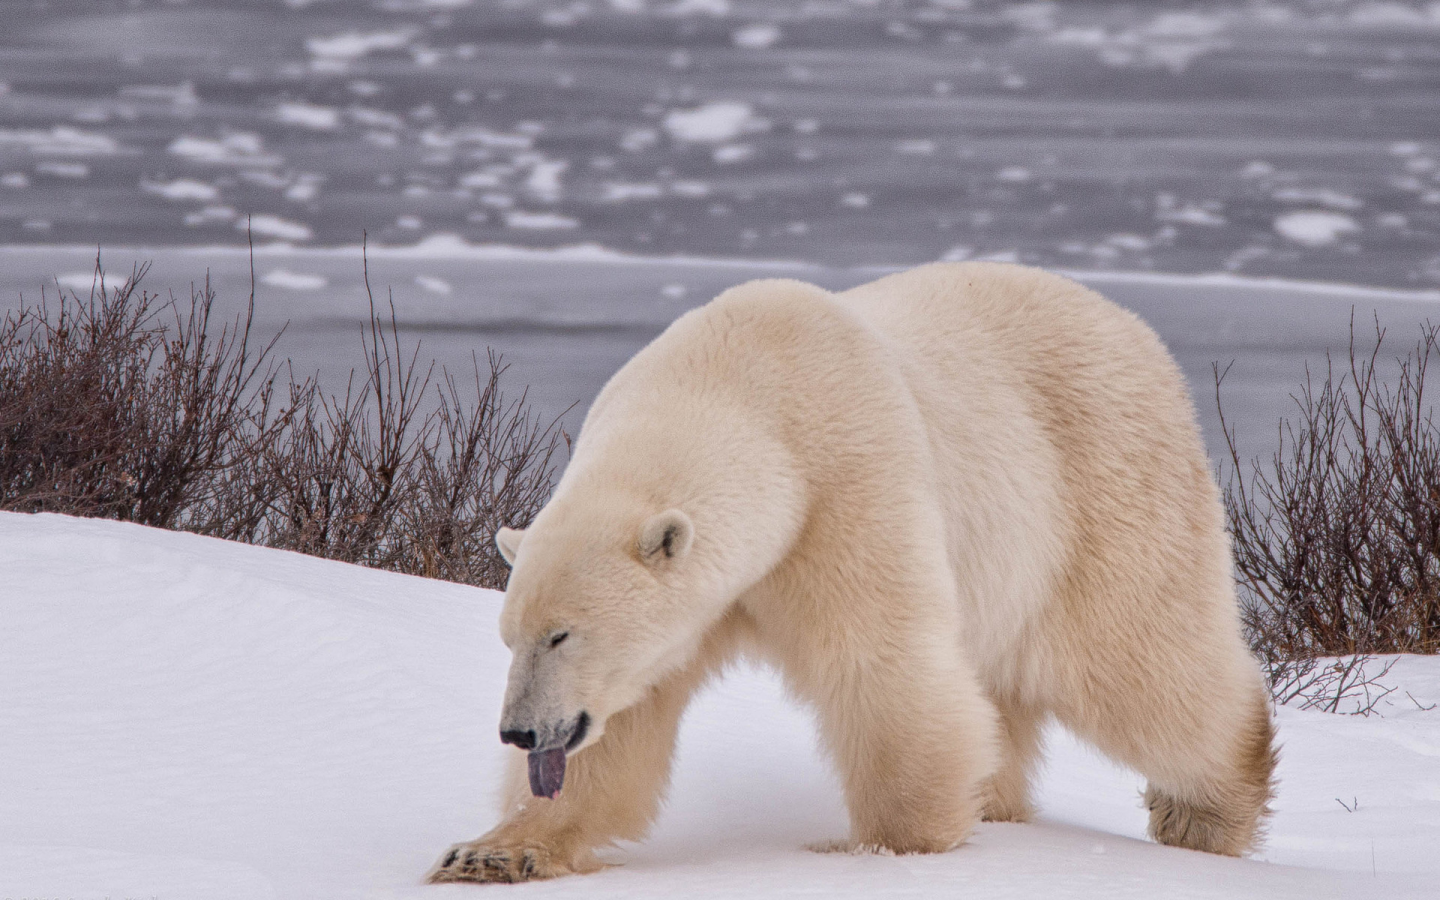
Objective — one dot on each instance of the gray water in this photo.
(564, 325)
(1297, 137)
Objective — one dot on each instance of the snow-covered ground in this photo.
(186, 718)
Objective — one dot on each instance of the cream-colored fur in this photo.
(946, 505)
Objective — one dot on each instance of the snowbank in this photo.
(189, 718)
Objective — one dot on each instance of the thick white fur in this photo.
(945, 505)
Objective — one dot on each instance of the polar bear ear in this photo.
(666, 535)
(507, 540)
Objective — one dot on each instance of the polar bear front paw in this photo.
(493, 862)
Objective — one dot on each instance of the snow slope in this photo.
(186, 718)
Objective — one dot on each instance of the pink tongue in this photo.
(547, 772)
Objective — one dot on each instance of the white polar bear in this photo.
(945, 505)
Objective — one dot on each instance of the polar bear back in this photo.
(1044, 397)
(1043, 429)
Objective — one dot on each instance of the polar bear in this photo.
(945, 505)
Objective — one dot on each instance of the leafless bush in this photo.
(124, 406)
(130, 408)
(1337, 542)
(1353, 685)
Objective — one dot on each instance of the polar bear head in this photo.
(656, 530)
(595, 613)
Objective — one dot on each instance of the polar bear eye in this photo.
(559, 639)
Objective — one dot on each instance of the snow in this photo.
(191, 718)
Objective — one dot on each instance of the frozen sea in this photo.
(1298, 138)
(637, 156)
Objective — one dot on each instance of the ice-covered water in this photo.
(1290, 137)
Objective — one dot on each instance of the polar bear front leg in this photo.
(537, 839)
(904, 717)
(915, 750)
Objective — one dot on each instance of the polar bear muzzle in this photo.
(547, 764)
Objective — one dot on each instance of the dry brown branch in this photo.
(123, 406)
(1337, 541)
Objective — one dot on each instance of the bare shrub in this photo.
(127, 407)
(1337, 542)
(1353, 685)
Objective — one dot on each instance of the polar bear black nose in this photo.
(525, 740)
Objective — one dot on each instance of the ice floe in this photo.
(1313, 196)
(732, 153)
(916, 147)
(84, 281)
(716, 8)
(544, 178)
(1191, 214)
(61, 140)
(308, 115)
(620, 193)
(211, 215)
(713, 123)
(1171, 40)
(434, 284)
(181, 189)
(539, 221)
(293, 281)
(238, 148)
(374, 118)
(447, 138)
(305, 188)
(637, 139)
(181, 95)
(685, 188)
(1315, 228)
(1395, 15)
(273, 226)
(352, 45)
(756, 37)
(61, 169)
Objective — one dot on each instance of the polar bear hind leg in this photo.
(1198, 729)
(1007, 794)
